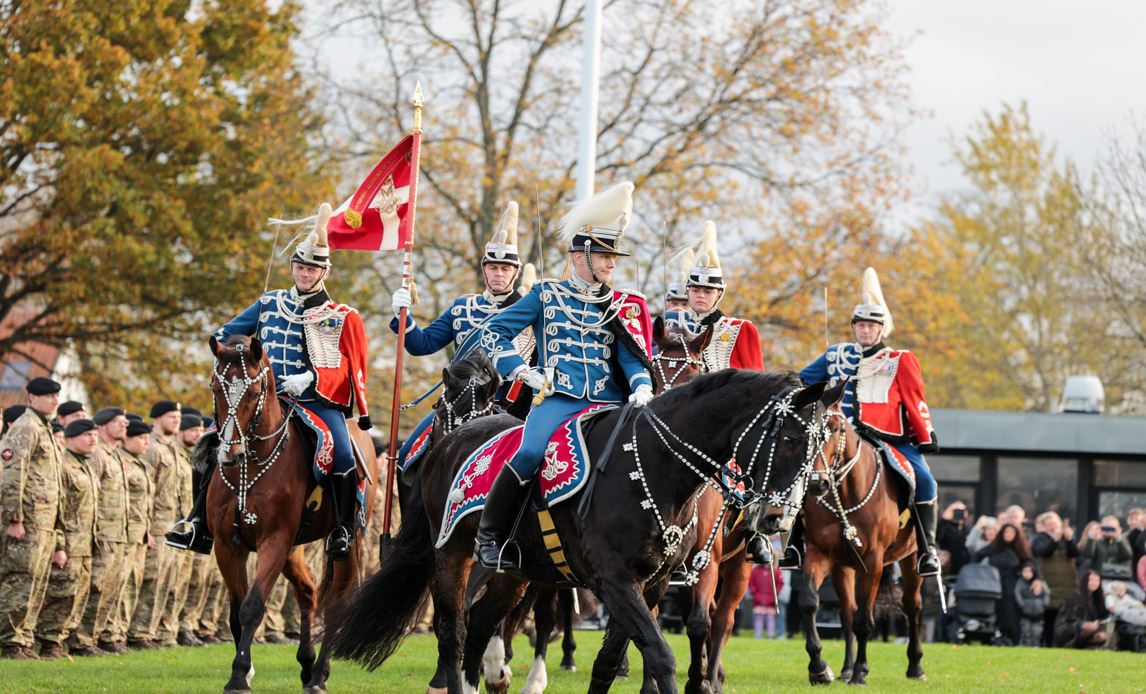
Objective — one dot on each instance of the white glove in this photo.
(533, 379)
(296, 384)
(641, 396)
(401, 300)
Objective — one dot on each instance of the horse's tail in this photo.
(369, 623)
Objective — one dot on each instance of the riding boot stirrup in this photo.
(758, 551)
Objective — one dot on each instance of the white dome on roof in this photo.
(1083, 394)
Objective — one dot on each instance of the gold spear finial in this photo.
(418, 102)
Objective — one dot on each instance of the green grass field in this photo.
(752, 666)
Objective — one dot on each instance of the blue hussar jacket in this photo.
(573, 337)
(462, 323)
(276, 318)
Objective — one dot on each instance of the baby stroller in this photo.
(976, 590)
(1131, 637)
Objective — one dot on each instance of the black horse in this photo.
(637, 529)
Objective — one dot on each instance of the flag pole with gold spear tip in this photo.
(407, 283)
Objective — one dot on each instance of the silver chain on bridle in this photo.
(453, 419)
(659, 361)
(835, 472)
(773, 414)
(234, 390)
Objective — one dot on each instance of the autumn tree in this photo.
(770, 118)
(143, 145)
(1000, 279)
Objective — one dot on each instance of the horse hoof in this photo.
(921, 676)
(501, 686)
(825, 677)
(569, 668)
(436, 690)
(846, 675)
(314, 690)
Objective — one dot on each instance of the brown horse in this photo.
(250, 510)
(852, 495)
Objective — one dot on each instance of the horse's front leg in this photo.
(913, 607)
(844, 581)
(483, 644)
(270, 565)
(298, 573)
(866, 587)
(451, 572)
(815, 568)
(735, 574)
(630, 611)
(699, 626)
(607, 665)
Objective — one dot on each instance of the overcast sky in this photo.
(1081, 67)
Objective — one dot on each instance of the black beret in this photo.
(133, 417)
(136, 428)
(11, 414)
(42, 385)
(57, 427)
(208, 422)
(163, 407)
(80, 426)
(192, 410)
(190, 421)
(106, 415)
(69, 407)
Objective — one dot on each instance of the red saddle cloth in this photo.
(563, 472)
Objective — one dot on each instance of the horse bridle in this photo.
(686, 361)
(452, 419)
(834, 473)
(773, 415)
(233, 395)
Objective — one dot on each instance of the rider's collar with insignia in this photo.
(498, 299)
(592, 289)
(708, 318)
(874, 349)
(318, 297)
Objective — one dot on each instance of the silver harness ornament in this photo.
(233, 391)
(835, 473)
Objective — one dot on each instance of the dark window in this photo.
(1109, 473)
(1038, 485)
(15, 374)
(954, 468)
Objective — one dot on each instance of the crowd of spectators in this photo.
(1060, 587)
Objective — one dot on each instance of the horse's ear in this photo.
(256, 349)
(658, 330)
(446, 377)
(809, 395)
(834, 395)
(214, 344)
(701, 342)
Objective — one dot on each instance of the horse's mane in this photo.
(706, 383)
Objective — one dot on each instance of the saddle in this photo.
(894, 461)
(562, 474)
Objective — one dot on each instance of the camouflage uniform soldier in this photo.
(199, 566)
(30, 508)
(213, 628)
(140, 496)
(109, 566)
(69, 585)
(163, 466)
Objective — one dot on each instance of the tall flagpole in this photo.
(407, 273)
(590, 79)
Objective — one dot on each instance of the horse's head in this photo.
(833, 450)
(677, 360)
(241, 383)
(469, 386)
(795, 435)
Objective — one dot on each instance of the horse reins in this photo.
(233, 396)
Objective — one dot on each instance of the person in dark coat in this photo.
(1080, 620)
(1057, 555)
(1007, 552)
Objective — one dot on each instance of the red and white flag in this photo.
(380, 215)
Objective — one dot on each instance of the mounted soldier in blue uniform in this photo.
(463, 322)
(592, 345)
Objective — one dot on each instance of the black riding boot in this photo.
(925, 538)
(196, 538)
(501, 506)
(793, 557)
(343, 489)
(759, 550)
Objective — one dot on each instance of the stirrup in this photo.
(786, 562)
(189, 539)
(764, 558)
(337, 537)
(931, 558)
